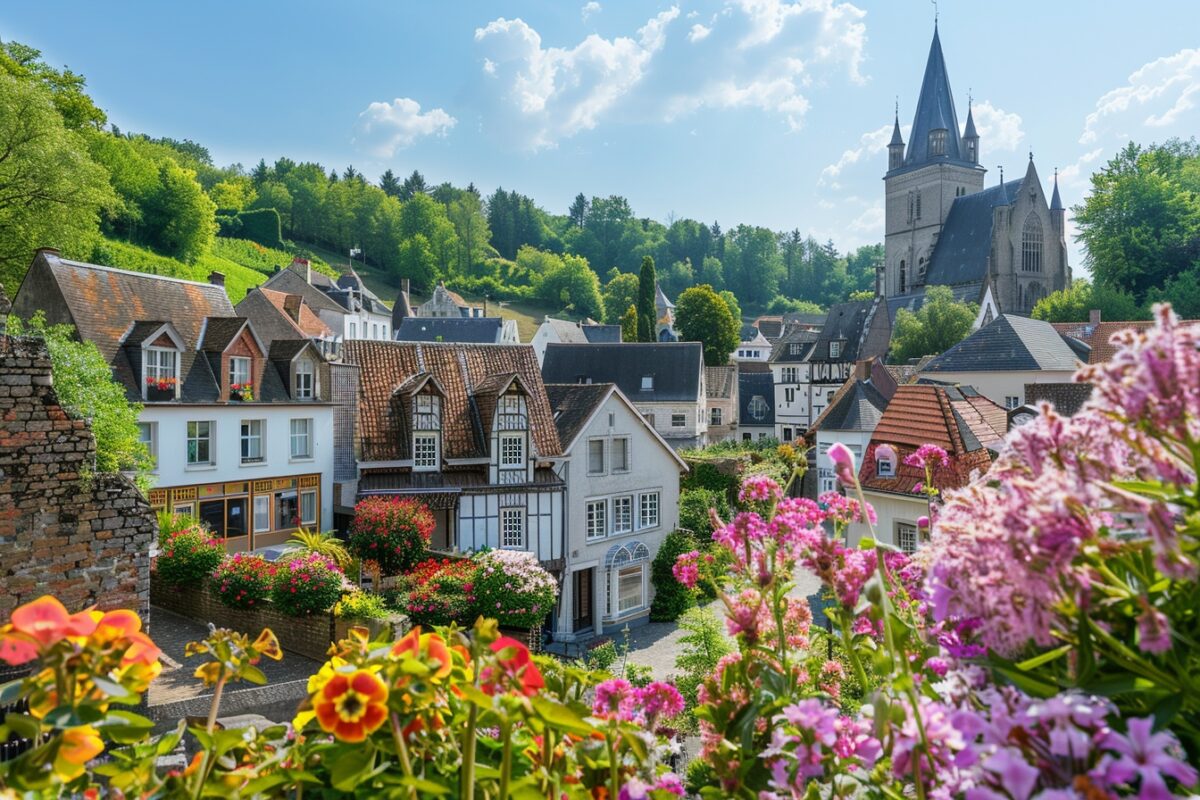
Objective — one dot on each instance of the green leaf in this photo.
(10, 692)
(1044, 658)
(1028, 683)
(348, 768)
(560, 717)
(126, 727)
(23, 725)
(476, 696)
(253, 674)
(1166, 710)
(427, 788)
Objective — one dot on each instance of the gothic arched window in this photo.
(937, 142)
(1031, 244)
(902, 276)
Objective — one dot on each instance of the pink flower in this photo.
(686, 568)
(1154, 629)
(928, 455)
(759, 488)
(843, 463)
(614, 699)
(923, 523)
(658, 699)
(1148, 756)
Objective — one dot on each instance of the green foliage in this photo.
(235, 193)
(326, 543)
(1075, 303)
(188, 557)
(238, 279)
(753, 268)
(515, 221)
(243, 580)
(671, 598)
(629, 331)
(735, 309)
(180, 217)
(52, 190)
(85, 386)
(647, 315)
(262, 225)
(704, 644)
(709, 477)
(602, 656)
(785, 305)
(361, 605)
(1141, 221)
(65, 88)
(170, 524)
(263, 259)
(573, 285)
(1182, 291)
(941, 323)
(693, 510)
(620, 293)
(701, 315)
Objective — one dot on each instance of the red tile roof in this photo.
(309, 324)
(1098, 336)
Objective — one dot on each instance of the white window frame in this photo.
(649, 510)
(835, 349)
(306, 436)
(1012, 401)
(312, 520)
(885, 467)
(353, 331)
(622, 514)
(508, 516)
(714, 415)
(245, 437)
(618, 573)
(235, 363)
(209, 439)
(906, 532)
(647, 383)
(305, 368)
(679, 420)
(795, 348)
(154, 368)
(510, 404)
(148, 435)
(420, 462)
(788, 375)
(627, 447)
(591, 445)
(505, 460)
(596, 519)
(259, 500)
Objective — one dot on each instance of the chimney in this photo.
(291, 305)
(862, 370)
(217, 278)
(1094, 316)
(304, 262)
(50, 251)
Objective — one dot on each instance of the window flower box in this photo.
(160, 390)
(241, 393)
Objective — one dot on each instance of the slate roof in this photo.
(462, 370)
(935, 110)
(859, 326)
(751, 385)
(964, 244)
(401, 309)
(913, 300)
(720, 382)
(782, 351)
(601, 334)
(1067, 398)
(1056, 203)
(289, 281)
(219, 332)
(676, 367)
(477, 330)
(265, 307)
(573, 405)
(1008, 343)
(770, 327)
(858, 404)
(582, 333)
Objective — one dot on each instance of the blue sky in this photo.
(758, 111)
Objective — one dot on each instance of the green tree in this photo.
(1076, 302)
(413, 185)
(423, 215)
(180, 218)
(693, 511)
(578, 211)
(416, 262)
(85, 386)
(66, 88)
(647, 320)
(786, 305)
(671, 598)
(1183, 293)
(235, 194)
(941, 323)
(573, 285)
(704, 644)
(538, 262)
(51, 192)
(752, 265)
(629, 331)
(465, 213)
(701, 315)
(621, 291)
(734, 307)
(1141, 221)
(390, 184)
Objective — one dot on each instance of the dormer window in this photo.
(162, 373)
(835, 349)
(512, 451)
(647, 383)
(885, 461)
(425, 452)
(937, 142)
(240, 387)
(427, 414)
(306, 380)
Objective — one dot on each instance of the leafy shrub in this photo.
(512, 587)
(188, 556)
(243, 580)
(638, 675)
(361, 605)
(693, 511)
(262, 225)
(671, 598)
(170, 524)
(327, 544)
(391, 531)
(707, 476)
(704, 644)
(601, 656)
(440, 591)
(307, 584)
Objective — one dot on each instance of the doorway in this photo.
(583, 581)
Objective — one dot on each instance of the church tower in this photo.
(940, 165)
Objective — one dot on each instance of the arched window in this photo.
(921, 267)
(937, 142)
(903, 277)
(1031, 244)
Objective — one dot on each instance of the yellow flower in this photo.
(352, 706)
(266, 644)
(77, 746)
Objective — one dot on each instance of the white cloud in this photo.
(842, 34)
(998, 129)
(589, 8)
(698, 33)
(1072, 174)
(1164, 89)
(385, 128)
(869, 144)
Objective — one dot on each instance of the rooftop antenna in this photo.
(935, 12)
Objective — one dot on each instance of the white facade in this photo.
(1002, 387)
(201, 460)
(363, 324)
(622, 501)
(756, 349)
(682, 424)
(802, 391)
(857, 441)
(896, 522)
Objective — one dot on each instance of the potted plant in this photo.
(160, 389)
(241, 392)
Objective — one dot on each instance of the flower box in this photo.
(155, 394)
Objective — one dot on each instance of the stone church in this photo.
(1001, 246)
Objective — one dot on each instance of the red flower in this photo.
(514, 670)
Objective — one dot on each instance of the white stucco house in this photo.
(562, 331)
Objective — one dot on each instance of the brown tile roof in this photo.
(987, 420)
(308, 325)
(573, 404)
(1098, 336)
(466, 372)
(923, 414)
(219, 332)
(720, 382)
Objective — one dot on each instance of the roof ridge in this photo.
(135, 273)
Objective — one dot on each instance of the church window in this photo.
(918, 205)
(921, 267)
(971, 151)
(1031, 244)
(937, 142)
(911, 206)
(903, 276)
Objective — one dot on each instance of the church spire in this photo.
(1055, 200)
(970, 137)
(896, 145)
(935, 128)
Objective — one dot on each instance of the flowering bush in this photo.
(511, 586)
(307, 584)
(361, 605)
(243, 580)
(393, 532)
(440, 591)
(242, 391)
(188, 556)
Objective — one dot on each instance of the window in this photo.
(789, 396)
(510, 404)
(612, 419)
(239, 371)
(512, 451)
(647, 383)
(160, 364)
(1031, 244)
(252, 441)
(787, 434)
(595, 456)
(262, 513)
(305, 379)
(903, 276)
(1011, 401)
(918, 204)
(425, 452)
(747, 437)
(714, 416)
(795, 349)
(308, 507)
(597, 525)
(758, 407)
(630, 588)
(301, 438)
(906, 537)
(353, 331)
(199, 443)
(620, 454)
(648, 510)
(148, 435)
(884, 467)
(678, 420)
(788, 375)
(937, 143)
(835, 349)
(375, 330)
(287, 510)
(512, 529)
(622, 514)
(427, 412)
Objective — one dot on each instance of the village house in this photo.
(721, 390)
(1004, 355)
(344, 304)
(467, 430)
(756, 407)
(622, 500)
(444, 303)
(240, 430)
(664, 380)
(850, 418)
(287, 316)
(753, 346)
(561, 331)
(464, 330)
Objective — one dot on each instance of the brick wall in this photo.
(83, 538)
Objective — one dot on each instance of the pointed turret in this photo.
(1058, 217)
(934, 135)
(1055, 200)
(971, 137)
(896, 145)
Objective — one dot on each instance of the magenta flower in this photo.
(686, 568)
(1147, 756)
(759, 488)
(843, 463)
(1013, 772)
(1154, 629)
(658, 700)
(928, 455)
(614, 699)
(923, 523)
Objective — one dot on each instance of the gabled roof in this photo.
(463, 371)
(289, 281)
(965, 242)
(986, 419)
(574, 405)
(1008, 343)
(467, 330)
(935, 110)
(858, 403)
(720, 383)
(267, 308)
(751, 385)
(860, 327)
(219, 332)
(583, 332)
(675, 366)
(1098, 335)
(782, 350)
(1067, 398)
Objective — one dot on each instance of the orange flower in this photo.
(44, 619)
(425, 647)
(15, 648)
(410, 643)
(351, 706)
(141, 650)
(78, 746)
(266, 644)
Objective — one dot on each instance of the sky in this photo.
(765, 112)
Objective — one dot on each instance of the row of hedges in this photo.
(260, 225)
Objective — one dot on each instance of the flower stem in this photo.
(468, 756)
(506, 757)
(216, 705)
(614, 778)
(402, 751)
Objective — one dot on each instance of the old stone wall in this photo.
(64, 531)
